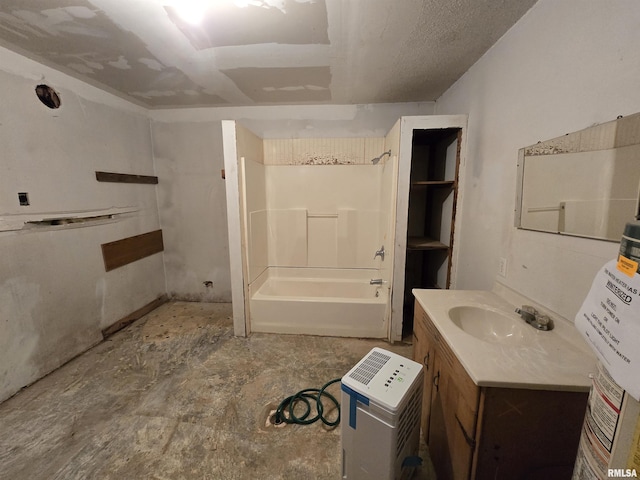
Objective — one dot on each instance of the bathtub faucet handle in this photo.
(380, 253)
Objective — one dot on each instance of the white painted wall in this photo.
(55, 296)
(567, 64)
(188, 159)
(304, 121)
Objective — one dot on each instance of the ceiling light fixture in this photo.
(191, 11)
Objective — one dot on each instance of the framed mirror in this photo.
(585, 183)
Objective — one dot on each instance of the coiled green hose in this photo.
(285, 411)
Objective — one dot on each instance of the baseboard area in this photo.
(132, 317)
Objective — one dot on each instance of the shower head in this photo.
(378, 158)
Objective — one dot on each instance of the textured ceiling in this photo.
(263, 52)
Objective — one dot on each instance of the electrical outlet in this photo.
(502, 267)
(23, 198)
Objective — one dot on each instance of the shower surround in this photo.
(313, 214)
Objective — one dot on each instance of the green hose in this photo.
(306, 396)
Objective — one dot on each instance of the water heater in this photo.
(380, 417)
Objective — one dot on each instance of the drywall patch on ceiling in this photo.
(56, 22)
(81, 12)
(85, 40)
(81, 68)
(152, 64)
(225, 24)
(73, 37)
(121, 63)
(289, 84)
(179, 97)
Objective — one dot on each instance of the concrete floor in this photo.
(177, 396)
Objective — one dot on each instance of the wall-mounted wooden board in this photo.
(128, 250)
(125, 178)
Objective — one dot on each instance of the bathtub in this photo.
(319, 301)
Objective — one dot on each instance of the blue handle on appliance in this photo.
(354, 398)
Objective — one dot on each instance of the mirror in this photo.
(585, 183)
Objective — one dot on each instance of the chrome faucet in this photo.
(380, 253)
(535, 319)
(377, 281)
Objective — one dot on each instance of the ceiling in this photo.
(260, 52)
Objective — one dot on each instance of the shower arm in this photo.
(380, 157)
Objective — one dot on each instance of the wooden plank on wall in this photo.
(125, 178)
(132, 317)
(128, 250)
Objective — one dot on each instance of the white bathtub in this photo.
(319, 301)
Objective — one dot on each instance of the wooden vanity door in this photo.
(454, 407)
(424, 353)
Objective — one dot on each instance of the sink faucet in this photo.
(535, 319)
(380, 253)
(377, 281)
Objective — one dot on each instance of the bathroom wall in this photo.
(55, 296)
(188, 161)
(303, 121)
(566, 65)
(193, 210)
(193, 137)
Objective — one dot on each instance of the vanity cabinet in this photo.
(478, 432)
(424, 353)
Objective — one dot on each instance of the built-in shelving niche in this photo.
(435, 159)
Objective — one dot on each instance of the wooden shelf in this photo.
(433, 183)
(58, 220)
(425, 243)
(125, 178)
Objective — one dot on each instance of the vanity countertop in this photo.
(558, 359)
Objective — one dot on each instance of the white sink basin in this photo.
(498, 349)
(489, 325)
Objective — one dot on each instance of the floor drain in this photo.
(273, 421)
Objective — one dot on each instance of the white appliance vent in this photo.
(409, 417)
(369, 367)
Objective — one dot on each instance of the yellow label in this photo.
(627, 266)
(634, 452)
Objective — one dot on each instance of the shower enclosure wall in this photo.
(314, 212)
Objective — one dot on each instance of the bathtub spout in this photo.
(377, 281)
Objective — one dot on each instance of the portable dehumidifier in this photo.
(380, 417)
